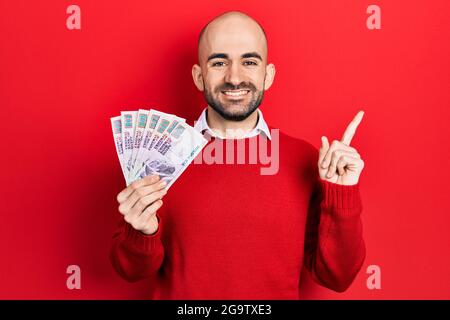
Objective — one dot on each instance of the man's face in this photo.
(233, 68)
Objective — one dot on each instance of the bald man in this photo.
(226, 230)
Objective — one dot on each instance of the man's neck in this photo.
(230, 129)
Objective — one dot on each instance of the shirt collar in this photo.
(202, 126)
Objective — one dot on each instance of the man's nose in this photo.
(233, 74)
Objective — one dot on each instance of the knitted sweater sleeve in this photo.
(334, 245)
(134, 255)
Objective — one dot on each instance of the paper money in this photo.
(116, 123)
(141, 123)
(154, 142)
(152, 121)
(128, 127)
(159, 123)
(174, 154)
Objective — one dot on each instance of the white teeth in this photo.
(236, 93)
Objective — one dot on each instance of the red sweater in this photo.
(228, 232)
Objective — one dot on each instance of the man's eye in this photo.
(250, 63)
(218, 64)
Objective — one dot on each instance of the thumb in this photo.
(324, 148)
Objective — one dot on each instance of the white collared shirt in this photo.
(202, 126)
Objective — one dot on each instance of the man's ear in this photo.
(270, 75)
(197, 77)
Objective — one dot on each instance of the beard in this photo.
(221, 108)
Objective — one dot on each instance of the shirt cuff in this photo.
(345, 199)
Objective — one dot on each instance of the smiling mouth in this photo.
(235, 93)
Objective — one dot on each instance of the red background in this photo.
(59, 87)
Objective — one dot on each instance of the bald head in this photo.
(232, 29)
(232, 68)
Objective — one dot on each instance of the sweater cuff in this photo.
(346, 199)
(141, 240)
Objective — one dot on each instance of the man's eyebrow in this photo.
(225, 56)
(218, 56)
(252, 55)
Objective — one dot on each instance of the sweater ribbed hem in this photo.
(141, 240)
(346, 199)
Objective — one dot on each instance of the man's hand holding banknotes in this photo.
(154, 148)
(139, 202)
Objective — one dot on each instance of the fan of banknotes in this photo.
(153, 142)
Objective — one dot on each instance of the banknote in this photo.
(128, 127)
(152, 121)
(164, 135)
(160, 123)
(141, 124)
(116, 123)
(154, 142)
(174, 154)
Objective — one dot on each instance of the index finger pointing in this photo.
(351, 128)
